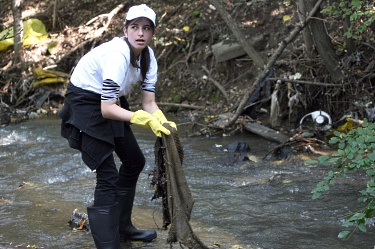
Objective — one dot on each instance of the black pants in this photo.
(108, 178)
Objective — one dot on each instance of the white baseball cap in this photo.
(141, 11)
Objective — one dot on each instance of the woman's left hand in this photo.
(162, 119)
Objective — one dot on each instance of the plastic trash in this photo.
(317, 120)
(34, 32)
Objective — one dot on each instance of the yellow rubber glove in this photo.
(146, 120)
(162, 119)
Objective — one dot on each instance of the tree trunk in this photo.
(17, 31)
(54, 15)
(307, 38)
(248, 47)
(323, 44)
(349, 41)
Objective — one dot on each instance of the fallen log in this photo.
(266, 132)
(227, 51)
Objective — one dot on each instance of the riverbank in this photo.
(194, 82)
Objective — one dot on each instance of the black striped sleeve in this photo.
(110, 90)
(148, 87)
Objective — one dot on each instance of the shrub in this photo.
(356, 152)
(360, 12)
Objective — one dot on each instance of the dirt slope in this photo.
(188, 71)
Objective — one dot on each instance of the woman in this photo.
(94, 123)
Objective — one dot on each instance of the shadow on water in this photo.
(254, 205)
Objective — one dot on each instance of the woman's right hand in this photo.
(146, 120)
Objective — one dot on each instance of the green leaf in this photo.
(323, 186)
(343, 234)
(358, 216)
(360, 140)
(323, 159)
(362, 227)
(334, 140)
(316, 195)
(370, 191)
(362, 199)
(371, 172)
(310, 162)
(348, 223)
(196, 13)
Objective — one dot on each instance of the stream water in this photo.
(264, 204)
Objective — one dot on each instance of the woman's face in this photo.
(139, 33)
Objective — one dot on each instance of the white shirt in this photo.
(111, 60)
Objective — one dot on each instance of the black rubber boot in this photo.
(125, 199)
(104, 226)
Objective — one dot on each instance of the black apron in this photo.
(85, 128)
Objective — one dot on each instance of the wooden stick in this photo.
(180, 105)
(307, 82)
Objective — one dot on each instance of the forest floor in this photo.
(191, 82)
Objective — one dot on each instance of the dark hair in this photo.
(145, 55)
